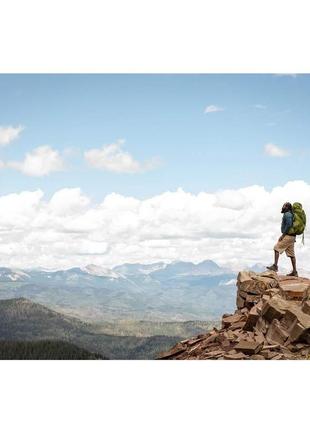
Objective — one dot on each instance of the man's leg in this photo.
(293, 260)
(276, 258)
(290, 252)
(274, 267)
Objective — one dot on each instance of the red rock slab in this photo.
(237, 325)
(276, 333)
(214, 354)
(235, 356)
(231, 319)
(240, 302)
(172, 353)
(275, 308)
(294, 290)
(283, 278)
(257, 357)
(306, 307)
(248, 347)
(252, 318)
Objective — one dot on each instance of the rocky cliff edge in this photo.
(271, 322)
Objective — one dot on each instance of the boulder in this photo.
(270, 274)
(253, 287)
(276, 333)
(240, 302)
(300, 324)
(296, 332)
(262, 325)
(257, 357)
(252, 318)
(274, 308)
(235, 356)
(214, 354)
(227, 321)
(294, 291)
(252, 299)
(269, 279)
(259, 337)
(244, 277)
(248, 347)
(306, 307)
(237, 325)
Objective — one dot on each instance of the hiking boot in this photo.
(274, 268)
(293, 273)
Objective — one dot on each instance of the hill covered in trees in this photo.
(24, 320)
(44, 350)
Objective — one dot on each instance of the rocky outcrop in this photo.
(271, 322)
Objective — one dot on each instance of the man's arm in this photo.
(288, 222)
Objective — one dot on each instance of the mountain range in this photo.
(178, 291)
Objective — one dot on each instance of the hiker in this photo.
(286, 241)
(293, 222)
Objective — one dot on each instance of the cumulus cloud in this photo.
(213, 108)
(68, 201)
(42, 161)
(275, 151)
(233, 227)
(259, 106)
(114, 159)
(9, 133)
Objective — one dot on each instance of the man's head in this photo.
(287, 207)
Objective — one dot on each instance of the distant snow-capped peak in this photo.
(12, 274)
(17, 275)
(152, 268)
(94, 270)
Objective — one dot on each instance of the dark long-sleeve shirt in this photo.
(287, 222)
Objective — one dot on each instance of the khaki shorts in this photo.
(287, 245)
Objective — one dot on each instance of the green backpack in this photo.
(299, 223)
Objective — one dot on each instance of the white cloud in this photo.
(213, 108)
(8, 134)
(275, 151)
(113, 159)
(68, 201)
(233, 227)
(40, 162)
(259, 106)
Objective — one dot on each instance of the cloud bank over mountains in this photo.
(232, 227)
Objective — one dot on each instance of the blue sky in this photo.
(158, 116)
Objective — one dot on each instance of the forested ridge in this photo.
(44, 350)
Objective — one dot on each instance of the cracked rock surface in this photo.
(271, 322)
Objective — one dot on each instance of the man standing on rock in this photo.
(286, 241)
